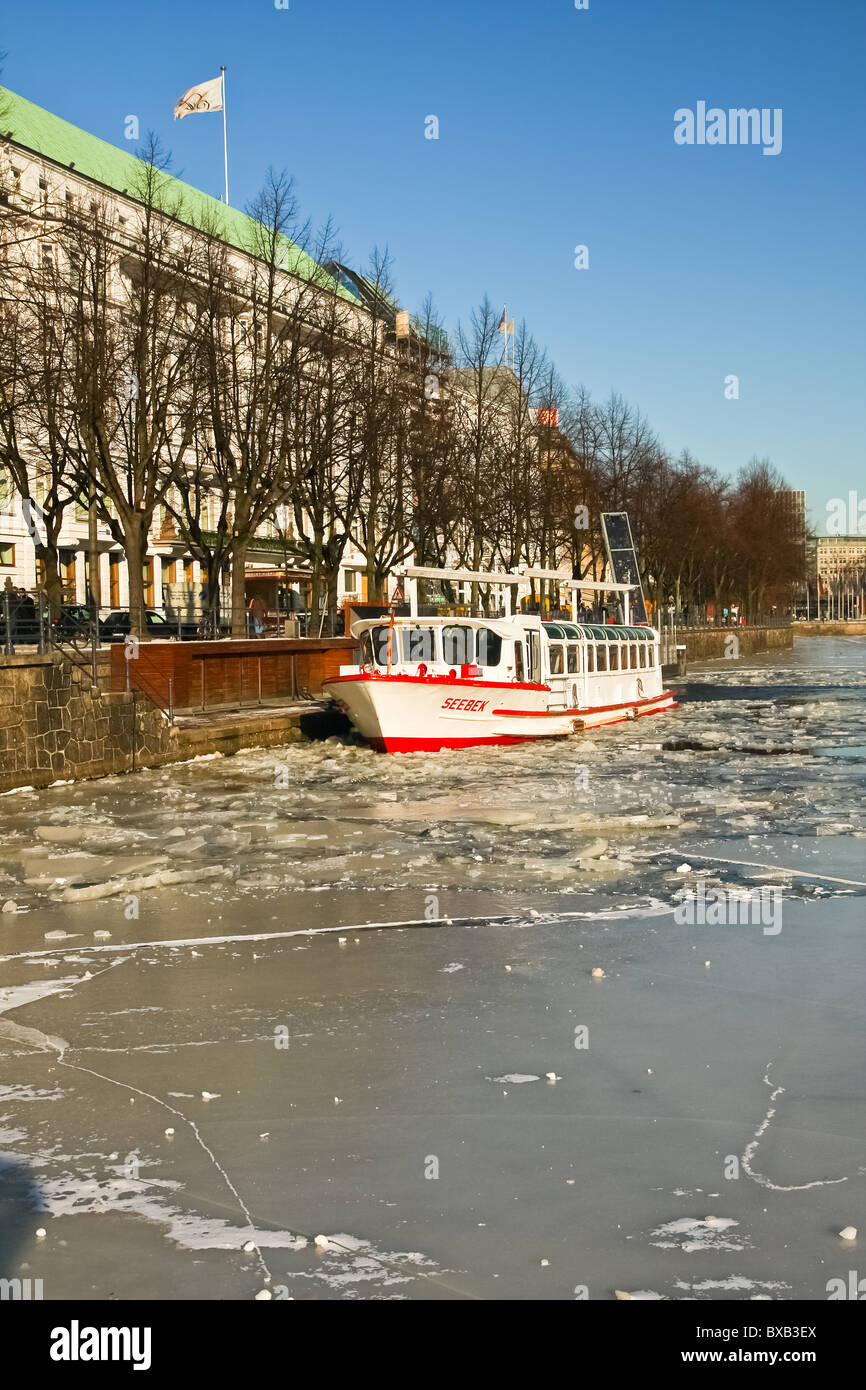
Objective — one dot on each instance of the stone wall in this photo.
(831, 629)
(53, 725)
(708, 644)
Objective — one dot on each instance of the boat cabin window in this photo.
(379, 636)
(600, 657)
(519, 669)
(458, 646)
(554, 657)
(418, 644)
(489, 647)
(590, 657)
(534, 656)
(613, 656)
(573, 659)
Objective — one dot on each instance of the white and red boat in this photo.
(428, 683)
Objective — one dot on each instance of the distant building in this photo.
(840, 576)
(794, 502)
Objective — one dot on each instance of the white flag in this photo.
(207, 96)
(505, 325)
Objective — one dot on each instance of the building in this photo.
(47, 166)
(840, 576)
(55, 177)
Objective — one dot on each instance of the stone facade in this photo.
(53, 725)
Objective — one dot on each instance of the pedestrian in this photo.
(258, 610)
(26, 626)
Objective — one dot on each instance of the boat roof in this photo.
(597, 632)
(504, 626)
(556, 631)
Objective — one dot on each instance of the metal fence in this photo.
(28, 620)
(698, 621)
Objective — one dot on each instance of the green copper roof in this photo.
(45, 134)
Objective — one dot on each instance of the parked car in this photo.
(118, 625)
(71, 623)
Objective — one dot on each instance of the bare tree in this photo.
(132, 358)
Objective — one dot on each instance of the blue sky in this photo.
(556, 129)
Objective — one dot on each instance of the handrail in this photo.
(139, 679)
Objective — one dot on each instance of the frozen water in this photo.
(506, 876)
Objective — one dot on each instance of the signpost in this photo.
(622, 558)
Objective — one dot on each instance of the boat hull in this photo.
(408, 714)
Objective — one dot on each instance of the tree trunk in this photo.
(333, 576)
(373, 586)
(135, 546)
(239, 598)
(52, 585)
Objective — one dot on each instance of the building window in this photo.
(7, 556)
(46, 255)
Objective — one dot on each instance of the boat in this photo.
(424, 684)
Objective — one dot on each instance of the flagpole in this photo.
(225, 136)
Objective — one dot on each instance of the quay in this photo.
(173, 702)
